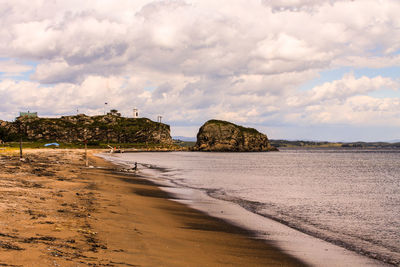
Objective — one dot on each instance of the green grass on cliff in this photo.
(241, 128)
(40, 144)
(101, 128)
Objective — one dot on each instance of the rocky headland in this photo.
(217, 135)
(70, 129)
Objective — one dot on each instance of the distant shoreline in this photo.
(186, 145)
(300, 143)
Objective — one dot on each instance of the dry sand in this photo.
(55, 212)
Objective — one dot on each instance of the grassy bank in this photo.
(93, 145)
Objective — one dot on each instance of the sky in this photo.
(293, 69)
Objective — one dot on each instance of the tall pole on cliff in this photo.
(20, 147)
(86, 156)
(20, 138)
(85, 141)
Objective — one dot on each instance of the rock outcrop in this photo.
(4, 126)
(70, 129)
(216, 135)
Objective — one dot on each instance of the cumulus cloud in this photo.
(297, 5)
(13, 68)
(346, 101)
(198, 59)
(340, 90)
(357, 111)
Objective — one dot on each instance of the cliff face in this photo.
(70, 129)
(4, 129)
(4, 124)
(217, 135)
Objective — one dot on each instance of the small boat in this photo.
(115, 150)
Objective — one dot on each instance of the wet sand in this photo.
(55, 212)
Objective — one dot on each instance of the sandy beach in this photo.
(56, 212)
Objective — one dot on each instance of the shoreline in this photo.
(310, 249)
(221, 243)
(55, 212)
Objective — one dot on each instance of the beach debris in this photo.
(86, 231)
(26, 160)
(56, 252)
(115, 149)
(7, 245)
(37, 239)
(132, 170)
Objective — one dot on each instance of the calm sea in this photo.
(344, 196)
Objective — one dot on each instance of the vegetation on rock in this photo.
(110, 128)
(217, 135)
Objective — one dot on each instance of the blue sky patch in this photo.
(337, 74)
(21, 76)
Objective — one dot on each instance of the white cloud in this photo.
(359, 111)
(196, 38)
(346, 101)
(13, 68)
(340, 90)
(297, 5)
(197, 59)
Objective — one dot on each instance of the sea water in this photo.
(348, 197)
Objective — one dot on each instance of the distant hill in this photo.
(184, 138)
(301, 143)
